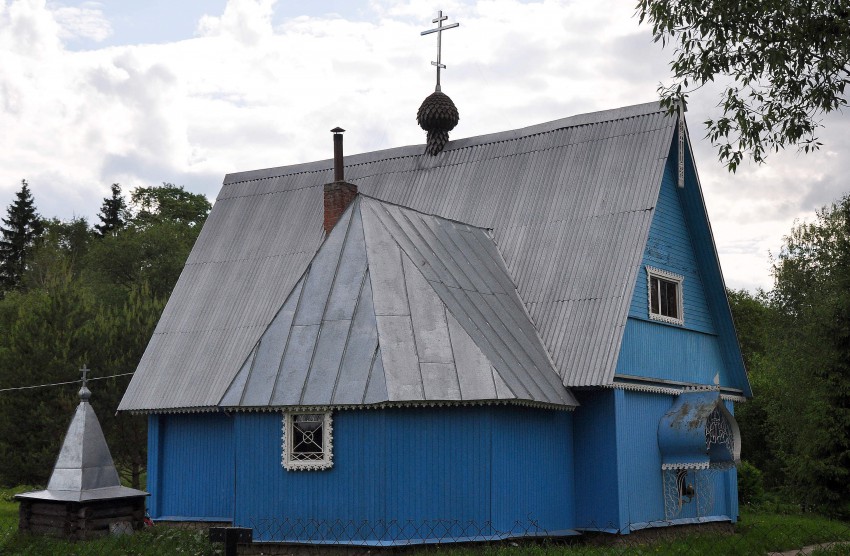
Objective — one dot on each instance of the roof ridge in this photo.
(587, 118)
(430, 214)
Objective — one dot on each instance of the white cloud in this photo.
(86, 21)
(244, 94)
(28, 29)
(246, 21)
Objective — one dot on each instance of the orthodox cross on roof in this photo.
(85, 393)
(439, 30)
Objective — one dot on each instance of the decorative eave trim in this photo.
(644, 388)
(335, 407)
(389, 405)
(701, 465)
(171, 410)
(679, 466)
(670, 391)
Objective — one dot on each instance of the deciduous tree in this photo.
(813, 292)
(786, 63)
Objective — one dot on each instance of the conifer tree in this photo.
(20, 229)
(113, 212)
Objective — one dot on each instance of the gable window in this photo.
(307, 441)
(665, 295)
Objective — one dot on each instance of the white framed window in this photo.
(307, 441)
(664, 291)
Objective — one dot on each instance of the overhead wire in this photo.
(79, 380)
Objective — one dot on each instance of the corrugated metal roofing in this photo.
(569, 204)
(426, 301)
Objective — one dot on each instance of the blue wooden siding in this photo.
(668, 352)
(597, 498)
(190, 467)
(692, 352)
(669, 247)
(531, 468)
(638, 414)
(704, 249)
(154, 469)
(397, 473)
(732, 480)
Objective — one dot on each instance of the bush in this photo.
(750, 483)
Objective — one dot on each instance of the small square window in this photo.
(665, 296)
(307, 441)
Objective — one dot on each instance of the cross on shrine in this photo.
(439, 30)
(85, 372)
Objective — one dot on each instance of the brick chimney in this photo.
(339, 193)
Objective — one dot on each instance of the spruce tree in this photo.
(20, 229)
(113, 212)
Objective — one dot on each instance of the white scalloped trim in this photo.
(383, 405)
(667, 466)
(328, 444)
(169, 411)
(386, 405)
(645, 388)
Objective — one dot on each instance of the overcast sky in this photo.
(139, 93)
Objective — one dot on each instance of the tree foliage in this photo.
(786, 61)
(153, 245)
(47, 342)
(796, 342)
(88, 296)
(168, 203)
(113, 212)
(20, 229)
(813, 296)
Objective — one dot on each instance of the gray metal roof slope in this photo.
(424, 302)
(569, 203)
(84, 469)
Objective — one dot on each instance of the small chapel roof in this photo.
(568, 204)
(84, 470)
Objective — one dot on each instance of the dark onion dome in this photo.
(438, 116)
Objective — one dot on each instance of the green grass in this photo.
(156, 541)
(760, 530)
(9, 508)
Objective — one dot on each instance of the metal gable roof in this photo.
(399, 306)
(569, 204)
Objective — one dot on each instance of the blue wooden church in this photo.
(526, 333)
